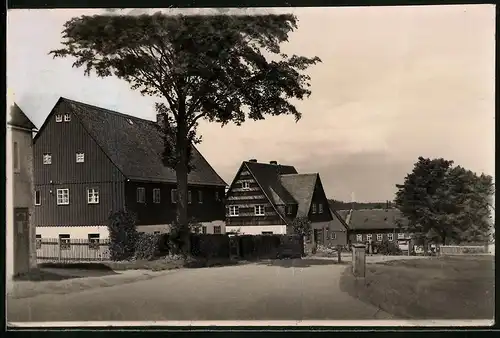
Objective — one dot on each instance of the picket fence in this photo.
(71, 250)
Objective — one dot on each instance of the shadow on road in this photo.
(39, 275)
(300, 263)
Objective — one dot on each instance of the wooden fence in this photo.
(71, 250)
(463, 249)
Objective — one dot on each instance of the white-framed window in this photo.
(190, 197)
(401, 235)
(15, 157)
(245, 185)
(333, 235)
(289, 209)
(62, 196)
(359, 238)
(200, 196)
(80, 157)
(320, 208)
(267, 232)
(314, 208)
(234, 210)
(379, 237)
(92, 196)
(38, 242)
(369, 237)
(173, 195)
(390, 237)
(67, 117)
(259, 210)
(204, 230)
(38, 197)
(47, 158)
(59, 118)
(217, 229)
(64, 241)
(141, 195)
(156, 195)
(93, 241)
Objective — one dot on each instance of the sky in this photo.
(395, 83)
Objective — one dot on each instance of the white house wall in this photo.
(257, 230)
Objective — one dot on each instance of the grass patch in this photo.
(153, 265)
(435, 288)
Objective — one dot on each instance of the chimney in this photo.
(160, 119)
(273, 162)
(253, 160)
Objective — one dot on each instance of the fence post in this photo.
(339, 253)
(60, 250)
(359, 260)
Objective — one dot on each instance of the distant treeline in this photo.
(341, 205)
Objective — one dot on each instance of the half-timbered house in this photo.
(264, 198)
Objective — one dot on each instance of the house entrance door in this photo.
(21, 240)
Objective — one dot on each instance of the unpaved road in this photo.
(305, 289)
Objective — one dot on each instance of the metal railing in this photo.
(71, 250)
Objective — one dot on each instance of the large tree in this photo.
(446, 202)
(220, 68)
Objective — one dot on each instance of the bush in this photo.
(122, 235)
(389, 248)
(147, 246)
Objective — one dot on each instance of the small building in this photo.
(20, 230)
(90, 161)
(375, 226)
(264, 198)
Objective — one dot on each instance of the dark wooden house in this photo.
(375, 225)
(265, 197)
(90, 161)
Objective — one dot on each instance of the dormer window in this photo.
(289, 209)
(80, 157)
(320, 208)
(67, 117)
(47, 159)
(245, 185)
(59, 118)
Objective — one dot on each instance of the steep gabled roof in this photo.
(19, 119)
(301, 187)
(135, 145)
(338, 221)
(268, 177)
(374, 219)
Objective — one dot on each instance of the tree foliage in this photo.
(301, 226)
(445, 202)
(220, 68)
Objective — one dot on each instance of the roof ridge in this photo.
(109, 111)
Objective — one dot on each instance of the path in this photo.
(279, 290)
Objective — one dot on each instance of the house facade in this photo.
(20, 231)
(375, 225)
(90, 161)
(264, 198)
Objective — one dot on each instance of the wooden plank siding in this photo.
(149, 213)
(63, 140)
(319, 197)
(246, 199)
(78, 212)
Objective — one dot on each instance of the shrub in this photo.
(147, 246)
(389, 248)
(122, 235)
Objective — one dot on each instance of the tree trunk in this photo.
(181, 172)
